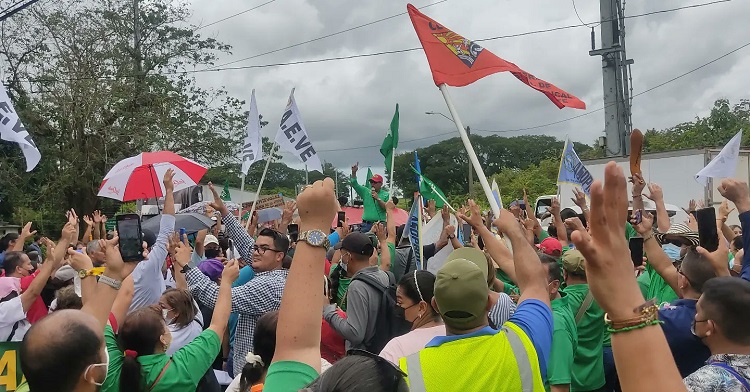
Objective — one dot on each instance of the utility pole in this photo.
(617, 84)
(471, 169)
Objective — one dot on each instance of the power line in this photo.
(15, 8)
(636, 95)
(322, 37)
(363, 55)
(234, 15)
(378, 145)
(579, 16)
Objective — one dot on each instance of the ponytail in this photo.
(252, 372)
(130, 375)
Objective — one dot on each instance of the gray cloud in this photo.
(349, 103)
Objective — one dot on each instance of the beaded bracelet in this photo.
(639, 326)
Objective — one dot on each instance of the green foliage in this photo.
(127, 208)
(538, 180)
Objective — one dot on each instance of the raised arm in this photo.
(562, 234)
(362, 191)
(638, 185)
(298, 335)
(494, 247)
(610, 275)
(286, 216)
(87, 236)
(109, 283)
(26, 232)
(656, 257)
(385, 254)
(738, 193)
(721, 220)
(530, 275)
(662, 216)
(243, 243)
(53, 261)
(96, 232)
(580, 201)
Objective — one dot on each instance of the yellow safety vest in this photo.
(501, 362)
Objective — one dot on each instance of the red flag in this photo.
(457, 61)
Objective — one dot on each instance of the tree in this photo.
(90, 97)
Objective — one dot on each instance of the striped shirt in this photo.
(502, 310)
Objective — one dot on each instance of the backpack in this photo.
(387, 324)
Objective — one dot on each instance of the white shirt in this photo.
(183, 336)
(412, 342)
(11, 312)
(147, 278)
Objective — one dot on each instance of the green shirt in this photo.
(510, 287)
(343, 286)
(188, 365)
(564, 344)
(588, 363)
(373, 211)
(288, 376)
(658, 288)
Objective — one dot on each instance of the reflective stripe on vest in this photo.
(416, 377)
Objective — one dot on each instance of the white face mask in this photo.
(165, 315)
(104, 364)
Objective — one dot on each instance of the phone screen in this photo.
(341, 218)
(707, 232)
(636, 251)
(466, 233)
(638, 216)
(293, 231)
(231, 250)
(131, 237)
(182, 234)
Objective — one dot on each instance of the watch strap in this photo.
(185, 269)
(113, 283)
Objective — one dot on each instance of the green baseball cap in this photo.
(461, 294)
(474, 255)
(574, 262)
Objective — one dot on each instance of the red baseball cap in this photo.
(377, 178)
(551, 246)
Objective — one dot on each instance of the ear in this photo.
(555, 285)
(435, 304)
(490, 302)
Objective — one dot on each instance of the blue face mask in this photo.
(672, 251)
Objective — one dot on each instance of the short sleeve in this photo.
(11, 311)
(288, 376)
(560, 364)
(534, 317)
(115, 357)
(198, 355)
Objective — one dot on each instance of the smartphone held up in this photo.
(131, 237)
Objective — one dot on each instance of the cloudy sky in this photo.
(347, 104)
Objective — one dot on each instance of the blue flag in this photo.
(572, 171)
(418, 168)
(413, 228)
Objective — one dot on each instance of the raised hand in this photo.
(445, 214)
(724, 210)
(608, 265)
(646, 226)
(317, 206)
(506, 223)
(692, 206)
(26, 232)
(182, 254)
(574, 224)
(169, 180)
(72, 217)
(655, 192)
(515, 209)
(431, 208)
(737, 192)
(555, 209)
(231, 271)
(116, 267)
(217, 203)
(79, 261)
(475, 217)
(69, 231)
(579, 199)
(717, 258)
(638, 184)
(88, 220)
(355, 169)
(380, 231)
(97, 216)
(288, 212)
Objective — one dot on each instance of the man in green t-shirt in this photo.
(588, 364)
(373, 199)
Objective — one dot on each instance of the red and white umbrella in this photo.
(140, 177)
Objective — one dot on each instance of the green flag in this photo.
(225, 192)
(430, 191)
(390, 143)
(369, 176)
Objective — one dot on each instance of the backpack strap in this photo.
(584, 306)
(374, 283)
(734, 373)
(161, 374)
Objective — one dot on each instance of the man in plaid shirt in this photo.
(260, 295)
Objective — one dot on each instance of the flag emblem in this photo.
(466, 50)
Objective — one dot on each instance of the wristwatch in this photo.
(115, 284)
(315, 238)
(83, 273)
(451, 236)
(185, 269)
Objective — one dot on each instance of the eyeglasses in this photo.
(398, 374)
(262, 249)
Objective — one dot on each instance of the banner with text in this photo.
(252, 149)
(12, 130)
(10, 366)
(293, 138)
(572, 171)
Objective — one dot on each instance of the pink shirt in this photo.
(410, 343)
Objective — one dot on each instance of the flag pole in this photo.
(470, 150)
(260, 185)
(390, 179)
(307, 178)
(421, 265)
(242, 184)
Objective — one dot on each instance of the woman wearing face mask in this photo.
(413, 301)
(138, 355)
(183, 319)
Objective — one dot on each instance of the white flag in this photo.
(496, 193)
(723, 165)
(293, 138)
(12, 130)
(252, 149)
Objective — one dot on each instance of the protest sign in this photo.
(269, 202)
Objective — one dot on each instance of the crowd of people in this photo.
(516, 307)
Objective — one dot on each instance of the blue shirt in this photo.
(533, 317)
(689, 353)
(745, 222)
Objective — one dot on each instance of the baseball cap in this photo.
(358, 243)
(474, 255)
(574, 262)
(550, 245)
(210, 239)
(211, 268)
(461, 294)
(377, 178)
